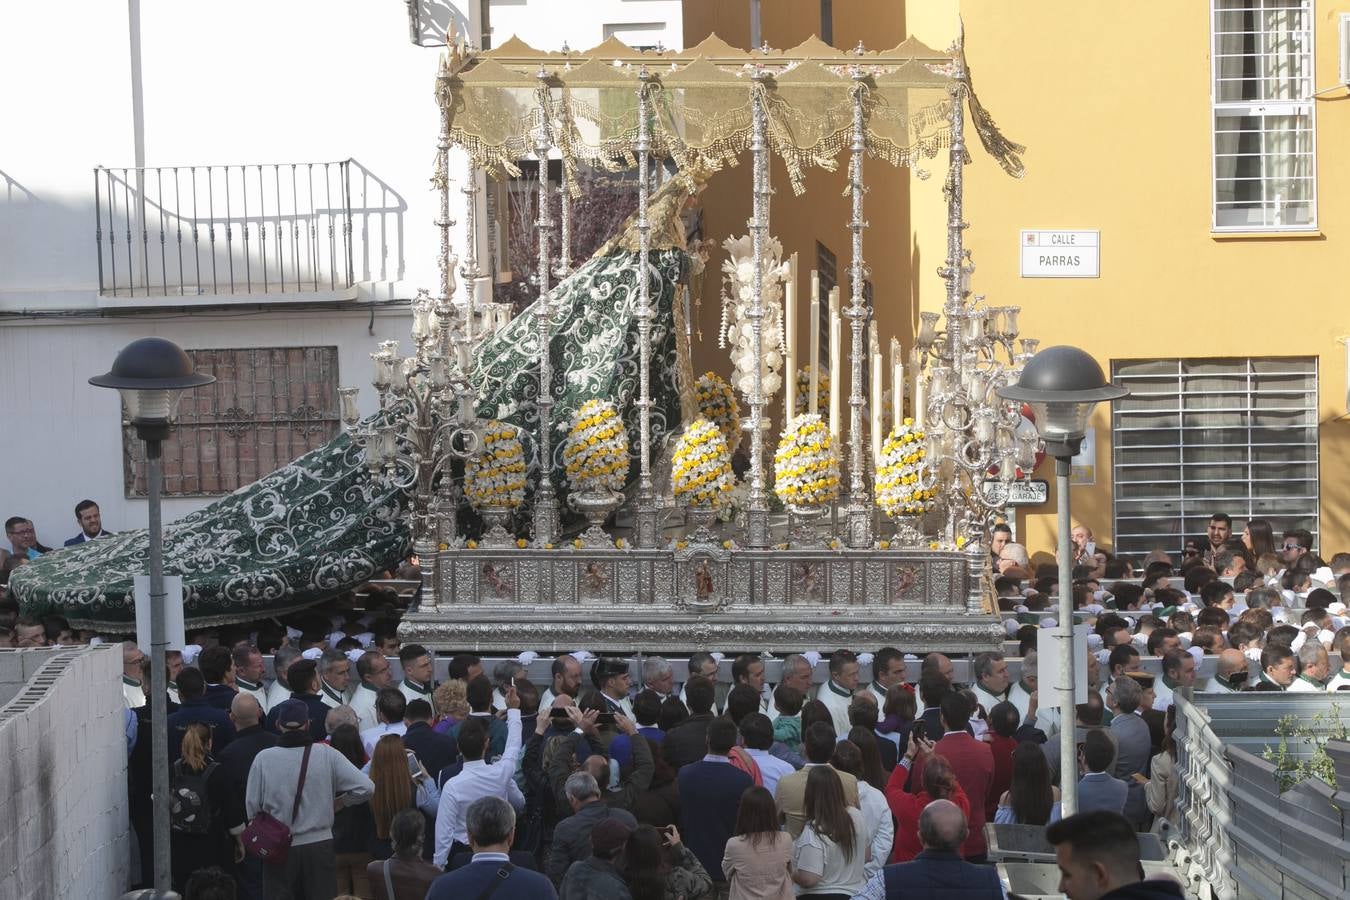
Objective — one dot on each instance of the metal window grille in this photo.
(1200, 436)
(1265, 170)
(267, 407)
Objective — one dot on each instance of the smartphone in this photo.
(917, 732)
(1090, 547)
(414, 767)
(605, 719)
(558, 712)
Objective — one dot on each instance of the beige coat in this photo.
(761, 872)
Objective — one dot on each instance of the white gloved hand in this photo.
(190, 654)
(365, 638)
(812, 657)
(865, 659)
(718, 656)
(354, 654)
(311, 653)
(581, 655)
(527, 657)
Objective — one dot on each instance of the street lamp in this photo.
(1062, 385)
(151, 374)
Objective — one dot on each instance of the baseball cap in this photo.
(292, 714)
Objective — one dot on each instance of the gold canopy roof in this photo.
(701, 103)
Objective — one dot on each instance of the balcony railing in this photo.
(273, 228)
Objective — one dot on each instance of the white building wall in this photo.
(548, 24)
(65, 832)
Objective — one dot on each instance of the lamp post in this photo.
(1062, 385)
(151, 374)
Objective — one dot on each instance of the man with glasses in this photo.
(23, 538)
(1297, 544)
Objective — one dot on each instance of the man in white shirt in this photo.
(390, 706)
(1019, 695)
(1313, 668)
(940, 664)
(705, 665)
(248, 673)
(748, 669)
(279, 690)
(838, 690)
(1178, 671)
(375, 675)
(797, 675)
(1342, 678)
(417, 673)
(335, 674)
(1230, 675)
(133, 693)
(888, 670)
(757, 736)
(566, 672)
(478, 779)
(989, 672)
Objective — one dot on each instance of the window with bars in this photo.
(1200, 436)
(1264, 165)
(266, 407)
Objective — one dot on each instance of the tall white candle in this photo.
(874, 345)
(790, 340)
(836, 363)
(920, 395)
(897, 384)
(812, 400)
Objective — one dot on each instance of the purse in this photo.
(266, 836)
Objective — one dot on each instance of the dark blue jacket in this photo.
(471, 880)
(934, 875)
(318, 711)
(220, 696)
(237, 758)
(710, 795)
(198, 710)
(434, 750)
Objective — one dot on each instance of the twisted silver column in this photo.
(859, 517)
(545, 498)
(757, 516)
(646, 500)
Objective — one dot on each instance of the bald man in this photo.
(1231, 674)
(939, 867)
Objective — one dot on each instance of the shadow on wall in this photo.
(255, 229)
(430, 20)
(43, 241)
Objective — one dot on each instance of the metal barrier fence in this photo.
(273, 228)
(1246, 837)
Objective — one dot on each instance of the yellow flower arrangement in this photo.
(471, 544)
(595, 454)
(717, 403)
(701, 467)
(522, 543)
(806, 464)
(620, 543)
(804, 390)
(496, 475)
(902, 468)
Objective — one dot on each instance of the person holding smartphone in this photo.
(907, 801)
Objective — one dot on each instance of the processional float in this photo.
(584, 406)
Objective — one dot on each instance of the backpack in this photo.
(189, 803)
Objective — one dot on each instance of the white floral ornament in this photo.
(738, 274)
(701, 467)
(901, 472)
(595, 454)
(496, 475)
(806, 464)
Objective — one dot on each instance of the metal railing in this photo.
(271, 228)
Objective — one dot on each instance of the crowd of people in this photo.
(653, 779)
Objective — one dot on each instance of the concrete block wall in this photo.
(65, 832)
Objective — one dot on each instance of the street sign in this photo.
(1019, 493)
(1061, 254)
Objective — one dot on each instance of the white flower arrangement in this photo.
(738, 274)
(806, 464)
(701, 467)
(495, 476)
(804, 390)
(595, 454)
(900, 472)
(717, 403)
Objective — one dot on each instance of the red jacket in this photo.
(906, 808)
(1003, 750)
(973, 763)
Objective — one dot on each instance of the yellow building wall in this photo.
(1113, 104)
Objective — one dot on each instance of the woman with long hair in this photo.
(200, 805)
(353, 825)
(757, 862)
(658, 866)
(1163, 780)
(1031, 799)
(898, 713)
(832, 849)
(400, 783)
(848, 757)
(1259, 538)
(869, 749)
(814, 711)
(939, 783)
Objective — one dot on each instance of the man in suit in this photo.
(434, 750)
(1133, 746)
(491, 823)
(91, 523)
(818, 744)
(973, 763)
(710, 795)
(938, 870)
(688, 741)
(1098, 788)
(196, 709)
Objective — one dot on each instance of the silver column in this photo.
(859, 517)
(545, 498)
(757, 518)
(646, 501)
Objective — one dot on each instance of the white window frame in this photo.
(1193, 504)
(1302, 107)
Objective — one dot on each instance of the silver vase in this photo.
(595, 505)
(495, 520)
(804, 525)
